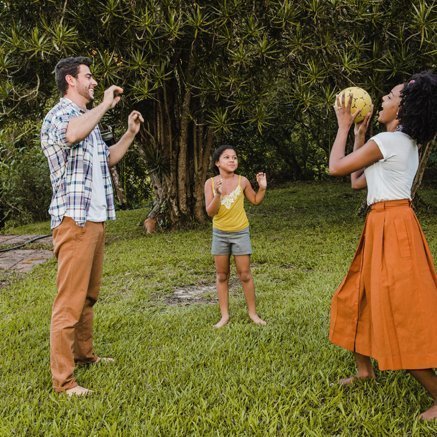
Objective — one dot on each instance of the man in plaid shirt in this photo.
(82, 201)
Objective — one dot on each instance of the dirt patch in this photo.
(192, 295)
(195, 294)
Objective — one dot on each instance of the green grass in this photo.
(175, 374)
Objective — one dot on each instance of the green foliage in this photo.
(317, 46)
(133, 174)
(259, 73)
(176, 375)
(25, 188)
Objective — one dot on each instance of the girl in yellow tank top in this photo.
(231, 216)
(224, 200)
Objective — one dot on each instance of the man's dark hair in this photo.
(69, 66)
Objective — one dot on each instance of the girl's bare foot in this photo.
(430, 414)
(364, 370)
(257, 319)
(352, 379)
(222, 322)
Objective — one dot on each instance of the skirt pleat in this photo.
(386, 306)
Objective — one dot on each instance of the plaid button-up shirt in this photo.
(71, 167)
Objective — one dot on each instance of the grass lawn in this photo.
(175, 374)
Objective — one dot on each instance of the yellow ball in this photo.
(361, 101)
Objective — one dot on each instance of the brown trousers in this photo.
(79, 251)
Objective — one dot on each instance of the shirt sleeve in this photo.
(59, 127)
(384, 144)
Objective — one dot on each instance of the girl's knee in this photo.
(245, 276)
(222, 277)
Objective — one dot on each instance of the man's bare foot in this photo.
(98, 360)
(257, 319)
(430, 413)
(353, 379)
(78, 391)
(104, 360)
(222, 322)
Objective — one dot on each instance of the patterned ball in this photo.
(360, 101)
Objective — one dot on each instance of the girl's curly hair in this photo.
(418, 108)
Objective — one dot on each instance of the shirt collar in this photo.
(67, 101)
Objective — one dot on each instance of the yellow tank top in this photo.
(231, 216)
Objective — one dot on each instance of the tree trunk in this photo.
(119, 192)
(177, 150)
(203, 155)
(165, 207)
(183, 150)
(425, 153)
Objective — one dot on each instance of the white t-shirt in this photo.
(98, 206)
(392, 177)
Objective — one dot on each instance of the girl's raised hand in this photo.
(343, 111)
(360, 129)
(261, 179)
(219, 186)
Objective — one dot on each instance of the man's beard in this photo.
(88, 94)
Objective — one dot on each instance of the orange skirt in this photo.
(386, 306)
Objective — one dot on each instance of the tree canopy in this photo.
(260, 73)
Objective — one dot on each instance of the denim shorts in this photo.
(231, 243)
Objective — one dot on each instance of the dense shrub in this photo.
(25, 188)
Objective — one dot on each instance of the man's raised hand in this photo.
(112, 95)
(134, 122)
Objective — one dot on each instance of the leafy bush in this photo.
(25, 189)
